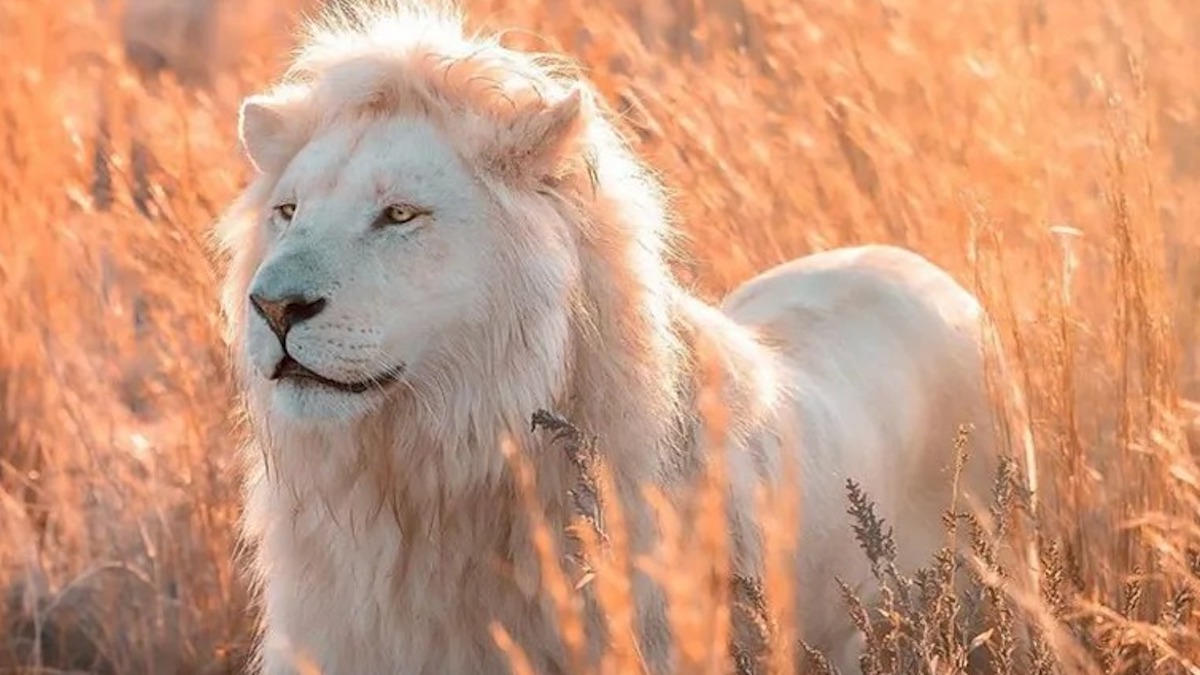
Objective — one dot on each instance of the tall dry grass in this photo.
(1047, 153)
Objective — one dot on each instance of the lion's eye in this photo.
(286, 211)
(398, 214)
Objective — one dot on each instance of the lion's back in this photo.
(854, 279)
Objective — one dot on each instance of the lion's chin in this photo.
(304, 401)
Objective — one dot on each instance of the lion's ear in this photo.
(270, 129)
(537, 143)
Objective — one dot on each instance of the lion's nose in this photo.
(282, 314)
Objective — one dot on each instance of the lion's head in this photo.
(415, 221)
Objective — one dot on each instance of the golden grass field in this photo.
(1047, 153)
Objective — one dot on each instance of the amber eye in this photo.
(286, 211)
(399, 214)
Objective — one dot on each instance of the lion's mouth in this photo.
(291, 369)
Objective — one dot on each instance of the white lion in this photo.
(443, 237)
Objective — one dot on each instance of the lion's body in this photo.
(883, 352)
(387, 531)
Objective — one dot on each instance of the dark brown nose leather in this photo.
(284, 313)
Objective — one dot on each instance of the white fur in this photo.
(386, 529)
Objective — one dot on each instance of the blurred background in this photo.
(1047, 153)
